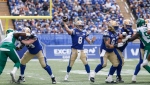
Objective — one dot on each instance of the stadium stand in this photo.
(140, 8)
(95, 13)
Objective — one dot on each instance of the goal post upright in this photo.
(7, 18)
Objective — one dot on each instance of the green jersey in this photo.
(10, 40)
(144, 37)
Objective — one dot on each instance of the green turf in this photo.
(35, 75)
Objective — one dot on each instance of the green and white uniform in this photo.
(9, 44)
(145, 38)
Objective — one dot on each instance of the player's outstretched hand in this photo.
(65, 18)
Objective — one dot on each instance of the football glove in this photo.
(124, 34)
(118, 45)
(127, 31)
(127, 37)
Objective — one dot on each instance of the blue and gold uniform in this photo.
(108, 53)
(34, 49)
(77, 49)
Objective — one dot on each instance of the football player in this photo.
(34, 49)
(143, 33)
(8, 50)
(140, 23)
(126, 30)
(109, 43)
(78, 36)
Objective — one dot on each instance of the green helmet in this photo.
(140, 22)
(9, 30)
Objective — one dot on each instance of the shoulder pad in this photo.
(141, 28)
(106, 33)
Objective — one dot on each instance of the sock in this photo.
(52, 76)
(14, 70)
(145, 62)
(69, 69)
(147, 68)
(22, 69)
(137, 69)
(48, 69)
(87, 68)
(119, 68)
(112, 70)
(98, 68)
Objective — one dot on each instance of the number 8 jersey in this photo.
(78, 39)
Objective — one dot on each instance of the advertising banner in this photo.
(64, 51)
(92, 51)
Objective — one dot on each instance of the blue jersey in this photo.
(78, 38)
(113, 40)
(125, 43)
(35, 47)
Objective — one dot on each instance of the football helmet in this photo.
(9, 30)
(79, 23)
(140, 22)
(114, 24)
(127, 23)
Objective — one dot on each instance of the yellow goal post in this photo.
(7, 18)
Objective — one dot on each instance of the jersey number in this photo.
(145, 33)
(31, 46)
(80, 40)
(113, 41)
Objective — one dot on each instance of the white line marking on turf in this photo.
(105, 72)
(42, 79)
(36, 60)
(29, 76)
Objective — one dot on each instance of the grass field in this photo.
(35, 75)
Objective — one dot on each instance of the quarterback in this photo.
(78, 36)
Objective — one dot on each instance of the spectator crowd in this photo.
(140, 8)
(95, 13)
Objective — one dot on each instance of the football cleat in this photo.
(133, 82)
(13, 79)
(53, 80)
(21, 79)
(111, 82)
(119, 79)
(92, 79)
(133, 79)
(66, 77)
